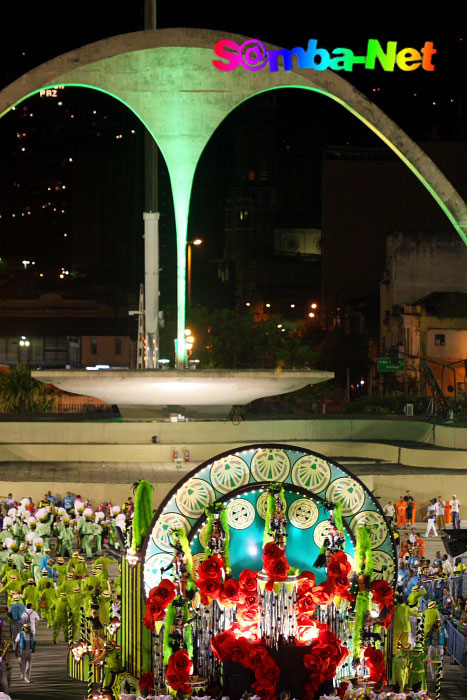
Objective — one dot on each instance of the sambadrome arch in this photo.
(166, 77)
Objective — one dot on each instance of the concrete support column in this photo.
(151, 286)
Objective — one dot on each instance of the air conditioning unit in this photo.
(297, 241)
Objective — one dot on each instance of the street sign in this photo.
(385, 364)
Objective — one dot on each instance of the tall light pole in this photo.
(196, 241)
(151, 229)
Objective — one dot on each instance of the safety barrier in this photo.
(457, 644)
(434, 588)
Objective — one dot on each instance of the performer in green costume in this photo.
(431, 614)
(75, 599)
(400, 668)
(31, 594)
(417, 667)
(61, 617)
(401, 625)
(65, 537)
(104, 561)
(47, 602)
(88, 533)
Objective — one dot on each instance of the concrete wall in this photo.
(410, 254)
(131, 442)
(135, 433)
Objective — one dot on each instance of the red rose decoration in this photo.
(146, 682)
(250, 599)
(306, 582)
(306, 603)
(209, 588)
(307, 575)
(272, 551)
(326, 655)
(258, 655)
(231, 594)
(158, 600)
(306, 619)
(341, 586)
(231, 589)
(268, 671)
(154, 612)
(247, 582)
(211, 568)
(247, 615)
(164, 593)
(382, 592)
(383, 595)
(240, 653)
(182, 662)
(375, 662)
(323, 594)
(222, 644)
(179, 671)
(339, 565)
(279, 569)
(265, 690)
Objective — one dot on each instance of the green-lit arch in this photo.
(167, 79)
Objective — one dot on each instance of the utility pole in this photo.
(151, 229)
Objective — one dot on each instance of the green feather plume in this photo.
(180, 534)
(143, 514)
(361, 608)
(169, 621)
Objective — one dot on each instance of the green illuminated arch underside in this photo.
(166, 78)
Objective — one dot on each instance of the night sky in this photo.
(49, 148)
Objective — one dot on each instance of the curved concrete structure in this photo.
(167, 79)
(200, 392)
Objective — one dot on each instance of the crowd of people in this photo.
(439, 513)
(429, 591)
(53, 567)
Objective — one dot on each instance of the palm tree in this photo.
(20, 393)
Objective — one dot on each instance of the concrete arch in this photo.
(167, 79)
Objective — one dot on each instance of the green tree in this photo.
(20, 393)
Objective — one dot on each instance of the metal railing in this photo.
(457, 585)
(457, 644)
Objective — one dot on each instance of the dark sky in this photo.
(426, 105)
(44, 30)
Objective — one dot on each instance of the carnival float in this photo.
(271, 568)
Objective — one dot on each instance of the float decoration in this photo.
(218, 533)
(277, 609)
(143, 514)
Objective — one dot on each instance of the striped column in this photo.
(136, 639)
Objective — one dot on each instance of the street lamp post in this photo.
(196, 241)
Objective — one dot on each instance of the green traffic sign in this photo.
(385, 364)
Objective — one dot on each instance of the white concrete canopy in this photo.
(190, 389)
